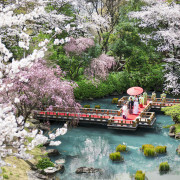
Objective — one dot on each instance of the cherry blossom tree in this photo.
(99, 67)
(164, 19)
(25, 80)
(99, 17)
(31, 87)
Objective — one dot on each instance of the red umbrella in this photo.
(135, 90)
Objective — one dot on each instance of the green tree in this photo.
(173, 111)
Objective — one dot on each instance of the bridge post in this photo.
(56, 115)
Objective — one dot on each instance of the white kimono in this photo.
(136, 106)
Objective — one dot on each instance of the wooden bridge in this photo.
(108, 117)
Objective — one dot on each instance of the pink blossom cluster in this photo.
(77, 46)
(35, 85)
(100, 66)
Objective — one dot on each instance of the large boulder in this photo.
(81, 170)
(52, 170)
(60, 168)
(177, 136)
(172, 129)
(178, 150)
(52, 152)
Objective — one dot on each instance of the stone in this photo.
(81, 170)
(34, 121)
(52, 152)
(60, 161)
(172, 129)
(33, 175)
(60, 168)
(50, 170)
(177, 136)
(178, 150)
(171, 134)
(46, 143)
(44, 127)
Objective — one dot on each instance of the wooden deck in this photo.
(107, 117)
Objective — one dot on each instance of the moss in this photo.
(116, 156)
(87, 106)
(114, 100)
(97, 107)
(121, 148)
(164, 167)
(139, 175)
(160, 149)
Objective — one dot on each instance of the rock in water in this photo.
(87, 170)
(177, 136)
(53, 152)
(178, 150)
(172, 129)
(60, 161)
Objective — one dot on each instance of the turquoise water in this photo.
(91, 146)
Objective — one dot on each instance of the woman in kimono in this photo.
(136, 105)
(125, 111)
(141, 101)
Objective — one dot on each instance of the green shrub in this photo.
(149, 152)
(114, 100)
(121, 148)
(40, 145)
(5, 176)
(116, 156)
(139, 175)
(44, 163)
(144, 146)
(97, 107)
(160, 149)
(87, 106)
(164, 166)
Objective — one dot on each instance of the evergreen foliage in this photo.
(121, 148)
(173, 111)
(116, 156)
(160, 149)
(139, 175)
(164, 167)
(44, 163)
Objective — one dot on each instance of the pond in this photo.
(90, 146)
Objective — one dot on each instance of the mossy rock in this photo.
(139, 175)
(144, 146)
(114, 100)
(121, 148)
(160, 149)
(87, 106)
(149, 152)
(164, 167)
(116, 156)
(97, 107)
